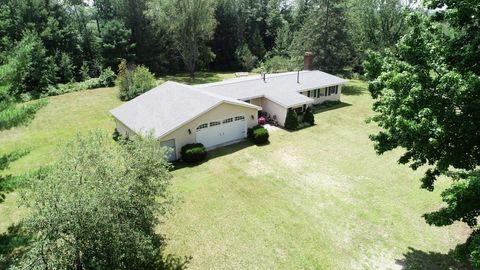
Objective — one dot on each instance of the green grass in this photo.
(317, 198)
(200, 77)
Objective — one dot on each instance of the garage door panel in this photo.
(222, 131)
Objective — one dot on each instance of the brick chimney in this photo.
(308, 61)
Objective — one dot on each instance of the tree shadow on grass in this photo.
(16, 242)
(354, 90)
(200, 78)
(13, 244)
(418, 259)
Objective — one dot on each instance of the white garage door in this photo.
(222, 131)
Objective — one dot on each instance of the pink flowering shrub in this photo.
(262, 121)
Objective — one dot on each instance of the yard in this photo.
(318, 198)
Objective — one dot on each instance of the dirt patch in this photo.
(290, 160)
(257, 168)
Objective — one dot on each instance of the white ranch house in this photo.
(217, 114)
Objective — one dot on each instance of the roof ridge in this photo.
(253, 77)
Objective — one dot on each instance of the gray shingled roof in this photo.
(281, 88)
(169, 106)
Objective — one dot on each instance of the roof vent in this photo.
(298, 76)
(263, 77)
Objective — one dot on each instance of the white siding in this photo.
(274, 109)
(183, 137)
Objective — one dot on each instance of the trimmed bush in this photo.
(308, 117)
(135, 82)
(258, 134)
(291, 122)
(193, 153)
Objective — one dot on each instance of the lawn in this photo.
(318, 198)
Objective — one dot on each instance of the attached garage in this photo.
(179, 114)
(221, 131)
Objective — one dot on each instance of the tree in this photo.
(12, 115)
(133, 81)
(247, 60)
(115, 43)
(376, 25)
(429, 104)
(97, 207)
(291, 121)
(191, 24)
(325, 34)
(308, 116)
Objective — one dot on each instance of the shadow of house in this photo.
(217, 152)
(418, 259)
(324, 107)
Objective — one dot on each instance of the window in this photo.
(202, 126)
(325, 92)
(228, 120)
(214, 123)
(308, 93)
(238, 118)
(333, 90)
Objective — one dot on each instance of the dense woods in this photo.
(59, 42)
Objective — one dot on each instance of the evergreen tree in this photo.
(291, 121)
(325, 34)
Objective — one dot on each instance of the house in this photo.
(219, 113)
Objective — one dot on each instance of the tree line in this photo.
(54, 42)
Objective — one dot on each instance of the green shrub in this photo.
(308, 117)
(133, 83)
(193, 153)
(259, 135)
(291, 122)
(107, 78)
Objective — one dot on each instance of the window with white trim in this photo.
(214, 123)
(228, 120)
(333, 90)
(238, 118)
(202, 126)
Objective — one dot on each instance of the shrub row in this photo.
(193, 153)
(106, 79)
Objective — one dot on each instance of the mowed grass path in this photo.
(318, 198)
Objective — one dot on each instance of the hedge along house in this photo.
(217, 114)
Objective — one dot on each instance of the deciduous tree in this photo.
(428, 104)
(191, 24)
(98, 206)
